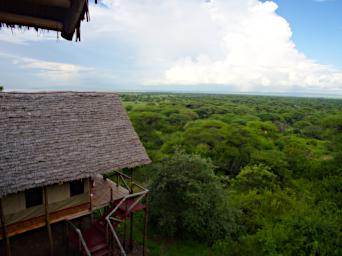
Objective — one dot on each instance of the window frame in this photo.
(76, 187)
(34, 197)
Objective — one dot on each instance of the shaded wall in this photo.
(15, 210)
(36, 242)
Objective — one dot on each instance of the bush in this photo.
(309, 233)
(255, 177)
(188, 201)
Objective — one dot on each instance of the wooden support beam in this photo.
(4, 229)
(15, 19)
(37, 222)
(47, 220)
(125, 231)
(145, 231)
(52, 3)
(72, 18)
(131, 234)
(131, 215)
(66, 237)
(131, 180)
(90, 200)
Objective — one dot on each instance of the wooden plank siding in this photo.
(37, 222)
(4, 230)
(102, 193)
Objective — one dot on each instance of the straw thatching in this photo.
(64, 16)
(48, 138)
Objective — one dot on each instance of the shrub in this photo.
(188, 201)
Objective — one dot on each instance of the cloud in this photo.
(31, 74)
(54, 71)
(242, 44)
(49, 70)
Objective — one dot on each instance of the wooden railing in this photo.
(81, 240)
(137, 194)
(121, 179)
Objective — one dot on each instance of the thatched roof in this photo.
(48, 138)
(64, 16)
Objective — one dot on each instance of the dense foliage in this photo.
(188, 201)
(277, 170)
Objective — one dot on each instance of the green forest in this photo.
(240, 175)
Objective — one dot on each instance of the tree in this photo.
(255, 177)
(311, 232)
(1, 88)
(187, 200)
(149, 125)
(228, 146)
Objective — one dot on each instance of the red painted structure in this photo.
(100, 238)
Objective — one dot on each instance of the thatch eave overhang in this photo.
(64, 16)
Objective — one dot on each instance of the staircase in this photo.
(96, 240)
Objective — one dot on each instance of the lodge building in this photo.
(61, 161)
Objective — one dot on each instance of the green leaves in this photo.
(279, 161)
(302, 233)
(187, 200)
(257, 177)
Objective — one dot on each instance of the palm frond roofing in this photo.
(64, 16)
(48, 138)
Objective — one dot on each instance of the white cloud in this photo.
(49, 70)
(241, 45)
(244, 44)
(54, 71)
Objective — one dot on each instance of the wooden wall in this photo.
(20, 219)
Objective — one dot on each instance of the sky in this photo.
(232, 46)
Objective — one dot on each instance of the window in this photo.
(76, 187)
(33, 197)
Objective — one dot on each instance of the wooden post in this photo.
(125, 230)
(90, 200)
(131, 214)
(145, 231)
(131, 180)
(131, 234)
(67, 236)
(46, 204)
(4, 230)
(111, 196)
